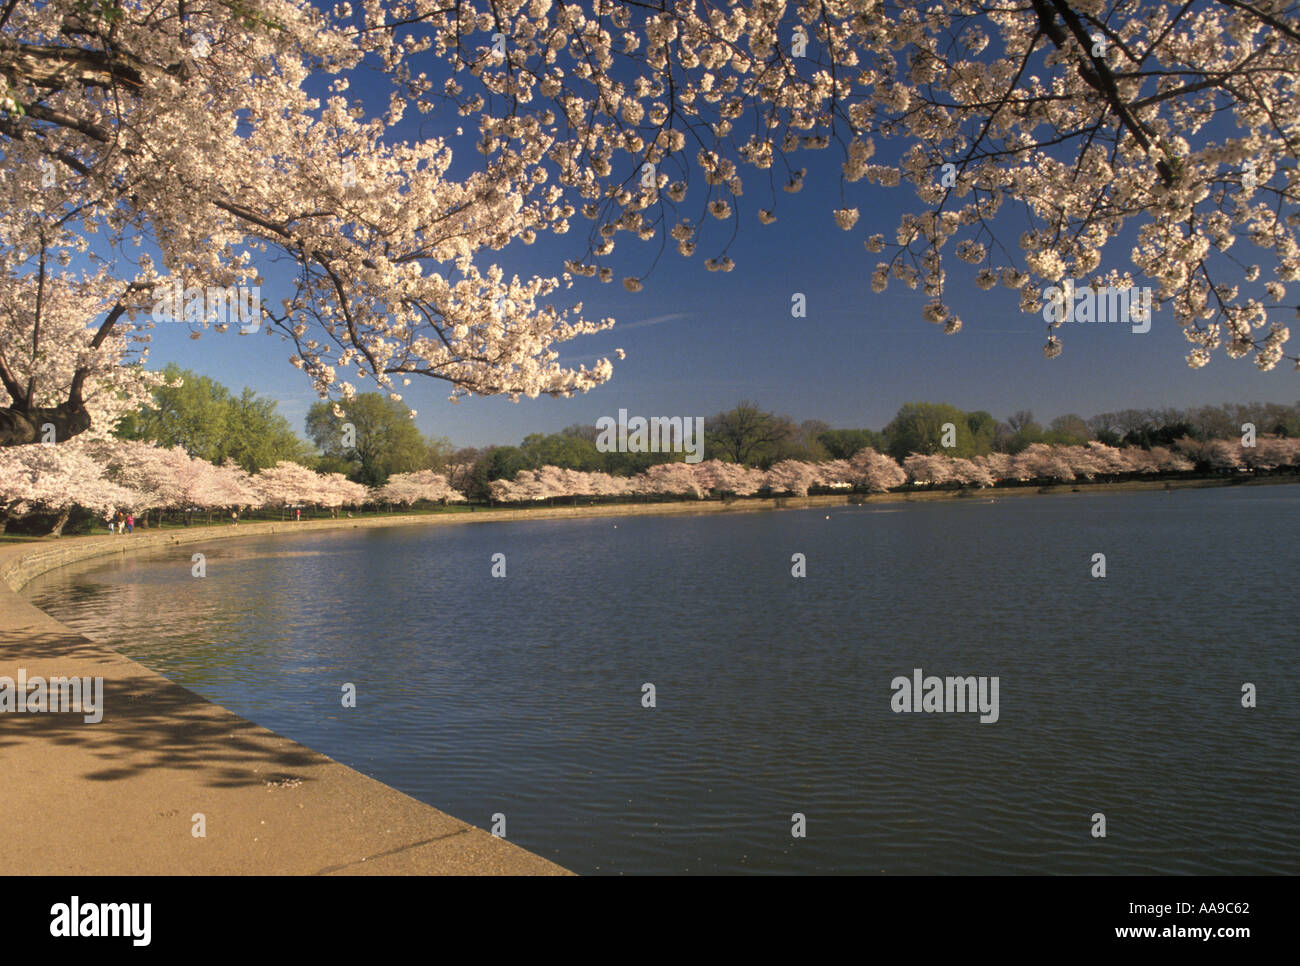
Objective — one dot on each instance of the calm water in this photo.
(523, 695)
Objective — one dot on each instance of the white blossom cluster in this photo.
(879, 473)
(193, 130)
(1082, 119)
(104, 476)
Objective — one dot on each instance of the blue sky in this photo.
(698, 342)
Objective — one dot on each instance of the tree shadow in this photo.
(148, 722)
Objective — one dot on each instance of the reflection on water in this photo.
(523, 695)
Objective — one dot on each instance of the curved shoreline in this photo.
(120, 796)
(21, 562)
(123, 796)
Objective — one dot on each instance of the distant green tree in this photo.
(208, 422)
(490, 464)
(257, 436)
(438, 454)
(630, 464)
(982, 428)
(919, 428)
(803, 443)
(1163, 435)
(504, 462)
(1022, 433)
(587, 431)
(565, 450)
(382, 439)
(613, 462)
(746, 435)
(1274, 419)
(1068, 430)
(192, 415)
(843, 444)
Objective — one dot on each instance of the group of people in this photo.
(120, 522)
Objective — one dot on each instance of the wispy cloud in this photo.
(657, 320)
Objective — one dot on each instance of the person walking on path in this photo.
(130, 522)
(297, 514)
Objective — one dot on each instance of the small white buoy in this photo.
(828, 516)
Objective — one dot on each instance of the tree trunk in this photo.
(19, 426)
(58, 526)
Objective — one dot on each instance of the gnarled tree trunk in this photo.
(63, 518)
(19, 426)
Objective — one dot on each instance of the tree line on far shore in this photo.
(368, 451)
(210, 422)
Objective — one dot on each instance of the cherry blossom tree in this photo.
(213, 487)
(1218, 454)
(878, 473)
(566, 482)
(286, 483)
(875, 471)
(711, 474)
(197, 484)
(670, 478)
(1169, 461)
(1270, 453)
(1281, 451)
(528, 486)
(56, 479)
(1000, 466)
(971, 473)
(236, 486)
(1081, 461)
(170, 479)
(186, 124)
(1087, 122)
(792, 476)
(148, 470)
(1110, 460)
(603, 484)
(407, 488)
(835, 474)
(59, 376)
(1143, 461)
(934, 469)
(335, 491)
(1040, 461)
(558, 482)
(722, 477)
